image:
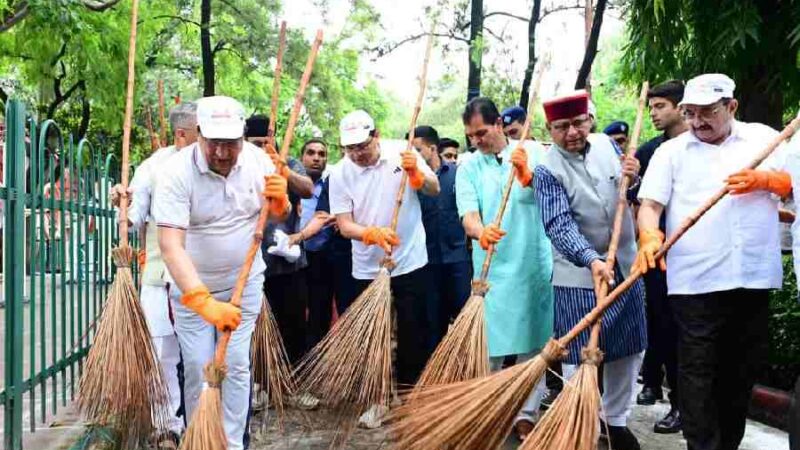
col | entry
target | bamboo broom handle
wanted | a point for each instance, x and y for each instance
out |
(276, 86)
(258, 236)
(526, 131)
(622, 201)
(162, 114)
(148, 115)
(598, 310)
(126, 130)
(298, 100)
(423, 83)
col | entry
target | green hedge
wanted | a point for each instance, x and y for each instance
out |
(784, 327)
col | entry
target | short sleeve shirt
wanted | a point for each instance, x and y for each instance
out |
(218, 213)
(369, 193)
(734, 245)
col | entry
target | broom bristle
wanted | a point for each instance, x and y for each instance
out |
(271, 367)
(206, 430)
(122, 385)
(353, 362)
(462, 355)
(572, 421)
(470, 415)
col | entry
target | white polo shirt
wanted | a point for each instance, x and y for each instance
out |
(369, 193)
(737, 243)
(218, 213)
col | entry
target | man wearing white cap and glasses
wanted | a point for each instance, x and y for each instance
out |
(722, 269)
(362, 197)
(206, 212)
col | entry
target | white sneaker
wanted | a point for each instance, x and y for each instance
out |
(373, 417)
(305, 402)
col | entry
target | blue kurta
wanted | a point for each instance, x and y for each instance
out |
(624, 326)
(519, 304)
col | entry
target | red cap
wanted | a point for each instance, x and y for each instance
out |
(567, 107)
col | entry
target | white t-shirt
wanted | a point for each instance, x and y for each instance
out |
(737, 243)
(143, 185)
(369, 193)
(218, 213)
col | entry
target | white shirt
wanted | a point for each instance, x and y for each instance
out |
(218, 213)
(737, 243)
(143, 185)
(369, 193)
(793, 167)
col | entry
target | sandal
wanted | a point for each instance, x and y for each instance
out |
(522, 428)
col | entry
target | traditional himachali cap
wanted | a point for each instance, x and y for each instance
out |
(618, 127)
(355, 127)
(707, 89)
(220, 117)
(567, 107)
(513, 114)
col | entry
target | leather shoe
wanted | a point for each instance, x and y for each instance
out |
(649, 396)
(621, 438)
(671, 423)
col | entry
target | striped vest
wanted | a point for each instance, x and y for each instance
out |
(591, 181)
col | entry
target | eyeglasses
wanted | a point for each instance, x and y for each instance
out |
(563, 127)
(359, 148)
(706, 113)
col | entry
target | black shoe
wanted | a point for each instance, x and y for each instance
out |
(649, 396)
(671, 423)
(621, 438)
(548, 400)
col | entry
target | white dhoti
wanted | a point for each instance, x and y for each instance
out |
(155, 305)
(198, 340)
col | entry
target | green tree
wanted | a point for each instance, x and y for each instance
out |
(756, 42)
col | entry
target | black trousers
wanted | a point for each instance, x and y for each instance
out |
(345, 290)
(320, 280)
(288, 297)
(662, 337)
(414, 327)
(722, 346)
(450, 291)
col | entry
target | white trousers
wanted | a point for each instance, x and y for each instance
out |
(619, 387)
(531, 405)
(198, 339)
(169, 355)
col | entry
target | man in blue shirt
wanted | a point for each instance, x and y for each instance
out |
(448, 258)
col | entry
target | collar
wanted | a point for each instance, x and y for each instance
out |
(384, 156)
(202, 164)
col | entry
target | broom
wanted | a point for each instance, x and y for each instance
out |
(353, 362)
(122, 384)
(478, 414)
(463, 352)
(206, 431)
(162, 114)
(572, 422)
(271, 368)
(148, 116)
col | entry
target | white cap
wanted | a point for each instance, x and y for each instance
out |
(355, 127)
(708, 89)
(592, 109)
(220, 117)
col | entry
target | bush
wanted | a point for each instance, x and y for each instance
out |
(784, 333)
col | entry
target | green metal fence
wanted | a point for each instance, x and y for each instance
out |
(57, 234)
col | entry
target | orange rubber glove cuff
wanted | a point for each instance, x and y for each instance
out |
(525, 177)
(519, 159)
(651, 236)
(490, 235)
(779, 183)
(196, 298)
(275, 193)
(416, 179)
(141, 258)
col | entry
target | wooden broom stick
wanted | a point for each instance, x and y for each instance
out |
(598, 310)
(423, 83)
(126, 130)
(298, 99)
(276, 86)
(162, 114)
(148, 116)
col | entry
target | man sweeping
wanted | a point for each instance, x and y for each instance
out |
(155, 278)
(722, 269)
(206, 212)
(519, 304)
(362, 197)
(577, 188)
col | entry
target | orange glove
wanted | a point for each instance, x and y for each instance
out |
(281, 168)
(224, 316)
(141, 258)
(415, 177)
(275, 192)
(650, 242)
(490, 235)
(748, 180)
(519, 159)
(382, 236)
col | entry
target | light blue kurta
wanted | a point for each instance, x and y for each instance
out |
(519, 305)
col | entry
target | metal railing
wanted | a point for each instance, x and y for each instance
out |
(57, 235)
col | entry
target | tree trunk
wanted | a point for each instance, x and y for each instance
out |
(86, 114)
(526, 82)
(205, 48)
(591, 46)
(476, 45)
